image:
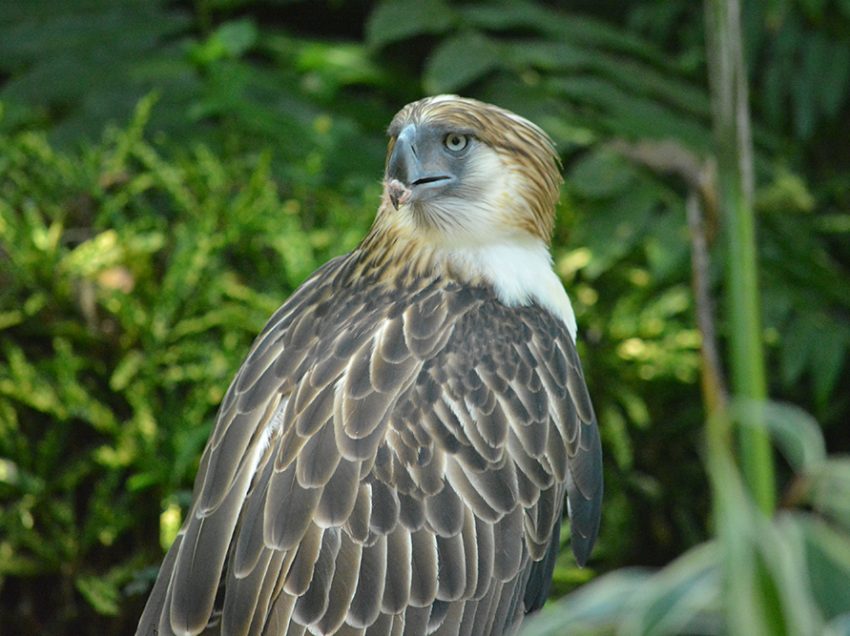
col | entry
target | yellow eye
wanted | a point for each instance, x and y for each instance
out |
(456, 142)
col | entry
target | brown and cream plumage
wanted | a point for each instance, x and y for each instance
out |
(394, 454)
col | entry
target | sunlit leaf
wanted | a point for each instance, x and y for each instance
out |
(101, 593)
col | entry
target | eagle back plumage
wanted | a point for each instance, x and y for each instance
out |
(386, 456)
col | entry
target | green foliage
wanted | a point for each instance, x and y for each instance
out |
(590, 79)
(133, 281)
(73, 66)
(136, 265)
(74, 69)
(785, 575)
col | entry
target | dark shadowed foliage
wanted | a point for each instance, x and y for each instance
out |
(170, 171)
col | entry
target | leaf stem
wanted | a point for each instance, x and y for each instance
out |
(733, 146)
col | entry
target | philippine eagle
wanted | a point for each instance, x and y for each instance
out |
(394, 454)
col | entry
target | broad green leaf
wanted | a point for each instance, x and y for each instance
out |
(828, 565)
(229, 41)
(502, 15)
(830, 489)
(596, 608)
(834, 60)
(237, 37)
(637, 77)
(680, 598)
(813, 8)
(794, 432)
(829, 358)
(797, 346)
(622, 113)
(601, 174)
(396, 20)
(460, 60)
(574, 28)
(611, 236)
(839, 626)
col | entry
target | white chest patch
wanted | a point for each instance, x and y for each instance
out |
(520, 274)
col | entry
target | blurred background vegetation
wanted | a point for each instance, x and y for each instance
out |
(171, 170)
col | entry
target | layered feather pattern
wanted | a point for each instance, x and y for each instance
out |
(391, 457)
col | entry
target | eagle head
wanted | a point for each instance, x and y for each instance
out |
(470, 191)
(462, 172)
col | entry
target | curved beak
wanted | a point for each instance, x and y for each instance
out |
(412, 167)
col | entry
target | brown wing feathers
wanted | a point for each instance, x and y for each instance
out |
(387, 466)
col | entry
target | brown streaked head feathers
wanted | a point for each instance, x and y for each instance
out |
(523, 146)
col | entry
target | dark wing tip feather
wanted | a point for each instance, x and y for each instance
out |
(540, 577)
(582, 544)
(585, 503)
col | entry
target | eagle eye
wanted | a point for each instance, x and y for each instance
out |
(456, 142)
